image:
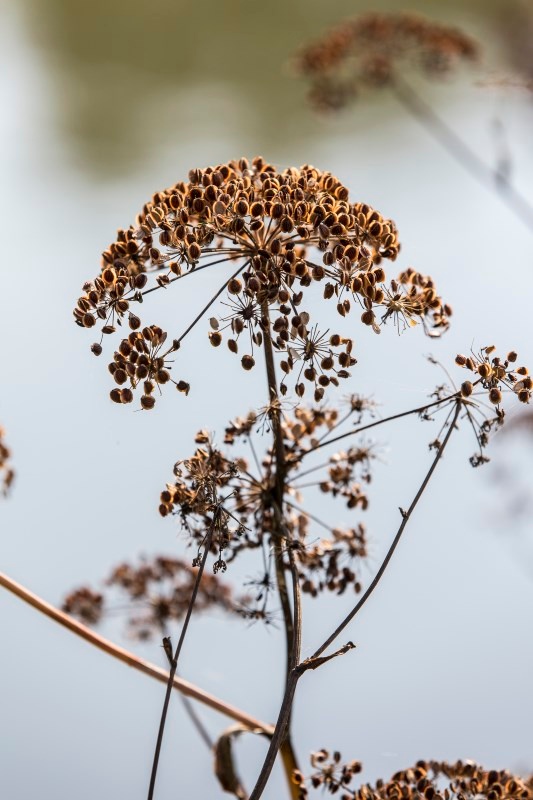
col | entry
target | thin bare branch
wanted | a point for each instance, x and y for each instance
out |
(126, 657)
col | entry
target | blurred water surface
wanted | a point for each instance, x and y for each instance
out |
(104, 104)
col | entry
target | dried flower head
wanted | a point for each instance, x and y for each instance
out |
(6, 471)
(427, 780)
(330, 562)
(372, 49)
(281, 232)
(158, 591)
(493, 378)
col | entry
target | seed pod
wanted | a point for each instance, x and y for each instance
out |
(466, 389)
(215, 337)
(115, 395)
(234, 286)
(147, 401)
(495, 396)
(183, 386)
(247, 362)
(96, 349)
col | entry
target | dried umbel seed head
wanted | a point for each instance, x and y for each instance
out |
(7, 474)
(331, 563)
(279, 233)
(372, 49)
(85, 604)
(431, 780)
(159, 592)
(494, 377)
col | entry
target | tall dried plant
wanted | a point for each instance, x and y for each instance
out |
(271, 238)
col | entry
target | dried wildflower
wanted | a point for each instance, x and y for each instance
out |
(6, 471)
(333, 562)
(431, 780)
(283, 231)
(372, 49)
(494, 377)
(85, 604)
(158, 591)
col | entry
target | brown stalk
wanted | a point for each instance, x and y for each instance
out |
(292, 616)
(311, 663)
(145, 667)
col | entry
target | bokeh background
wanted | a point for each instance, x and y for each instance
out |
(102, 104)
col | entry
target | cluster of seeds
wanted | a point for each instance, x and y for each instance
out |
(495, 375)
(84, 603)
(433, 780)
(142, 360)
(6, 471)
(160, 588)
(370, 50)
(281, 232)
(330, 563)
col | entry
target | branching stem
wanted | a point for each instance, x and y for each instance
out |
(316, 660)
(174, 662)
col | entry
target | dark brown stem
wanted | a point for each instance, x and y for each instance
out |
(406, 515)
(315, 660)
(174, 663)
(461, 152)
(292, 616)
(361, 428)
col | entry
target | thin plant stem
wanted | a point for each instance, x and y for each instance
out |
(406, 515)
(461, 152)
(311, 663)
(130, 659)
(361, 428)
(177, 652)
(196, 721)
(210, 303)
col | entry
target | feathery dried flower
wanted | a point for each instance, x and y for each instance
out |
(284, 231)
(368, 51)
(7, 473)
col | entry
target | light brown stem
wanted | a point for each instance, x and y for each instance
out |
(182, 686)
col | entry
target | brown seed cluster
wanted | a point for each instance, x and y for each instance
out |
(282, 232)
(427, 780)
(142, 360)
(495, 375)
(372, 49)
(85, 604)
(330, 563)
(7, 474)
(158, 591)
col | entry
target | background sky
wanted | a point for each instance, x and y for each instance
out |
(103, 104)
